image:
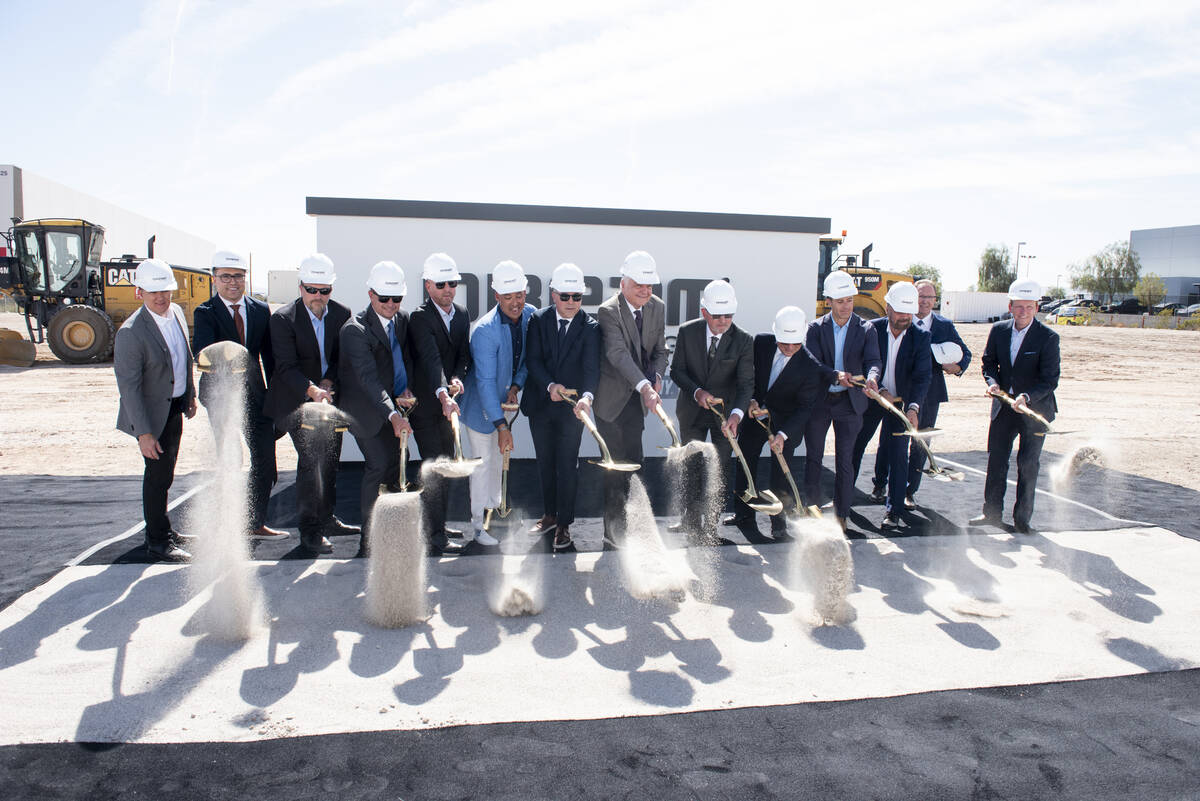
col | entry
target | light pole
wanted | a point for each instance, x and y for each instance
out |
(1017, 260)
(1028, 266)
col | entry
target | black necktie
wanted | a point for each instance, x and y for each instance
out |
(712, 348)
(562, 329)
(637, 318)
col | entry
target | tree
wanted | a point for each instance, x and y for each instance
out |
(1056, 292)
(994, 272)
(1150, 290)
(1112, 271)
(920, 269)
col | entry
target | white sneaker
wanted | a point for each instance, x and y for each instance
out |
(483, 538)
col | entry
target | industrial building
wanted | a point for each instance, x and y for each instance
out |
(1173, 254)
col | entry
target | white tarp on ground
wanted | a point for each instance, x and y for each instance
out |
(116, 653)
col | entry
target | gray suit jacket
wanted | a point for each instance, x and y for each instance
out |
(620, 365)
(729, 377)
(145, 377)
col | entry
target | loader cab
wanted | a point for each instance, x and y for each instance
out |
(58, 258)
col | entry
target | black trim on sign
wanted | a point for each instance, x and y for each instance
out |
(577, 215)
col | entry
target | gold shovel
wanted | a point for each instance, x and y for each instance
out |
(766, 501)
(504, 508)
(227, 358)
(468, 464)
(666, 421)
(763, 418)
(1012, 402)
(405, 407)
(917, 436)
(606, 460)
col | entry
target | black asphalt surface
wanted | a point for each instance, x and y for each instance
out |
(1119, 738)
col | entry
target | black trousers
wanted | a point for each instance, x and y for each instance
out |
(556, 436)
(837, 410)
(891, 458)
(624, 439)
(159, 475)
(751, 439)
(318, 451)
(434, 438)
(259, 433)
(707, 427)
(381, 455)
(1006, 426)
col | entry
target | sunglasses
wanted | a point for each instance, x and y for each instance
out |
(444, 284)
(571, 296)
(721, 316)
(312, 290)
(390, 298)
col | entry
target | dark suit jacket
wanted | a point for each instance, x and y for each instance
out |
(620, 368)
(437, 355)
(860, 354)
(145, 374)
(913, 362)
(575, 364)
(1035, 372)
(213, 323)
(942, 330)
(730, 377)
(801, 383)
(365, 370)
(297, 357)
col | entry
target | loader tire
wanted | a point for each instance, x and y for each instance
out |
(79, 334)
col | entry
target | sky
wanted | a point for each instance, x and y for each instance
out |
(930, 129)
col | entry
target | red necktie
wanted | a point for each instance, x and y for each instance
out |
(238, 324)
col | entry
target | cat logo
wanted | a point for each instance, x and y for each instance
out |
(119, 276)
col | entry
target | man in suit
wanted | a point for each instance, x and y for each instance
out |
(713, 359)
(1021, 357)
(563, 352)
(787, 381)
(633, 358)
(841, 340)
(906, 371)
(153, 367)
(498, 373)
(439, 343)
(941, 332)
(374, 373)
(305, 335)
(233, 316)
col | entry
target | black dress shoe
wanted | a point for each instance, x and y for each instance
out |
(166, 551)
(1024, 528)
(891, 521)
(909, 503)
(878, 494)
(562, 538)
(738, 520)
(314, 546)
(337, 528)
(452, 532)
(440, 545)
(984, 520)
(180, 539)
(544, 526)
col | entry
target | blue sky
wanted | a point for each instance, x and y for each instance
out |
(930, 129)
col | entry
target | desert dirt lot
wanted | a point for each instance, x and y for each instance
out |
(1131, 389)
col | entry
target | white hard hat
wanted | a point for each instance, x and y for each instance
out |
(387, 279)
(947, 352)
(790, 325)
(1025, 289)
(639, 266)
(902, 297)
(718, 298)
(229, 260)
(508, 277)
(838, 285)
(317, 269)
(440, 267)
(567, 278)
(154, 275)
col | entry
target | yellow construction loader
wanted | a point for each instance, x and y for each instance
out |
(70, 298)
(872, 283)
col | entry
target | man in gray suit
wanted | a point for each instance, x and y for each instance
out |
(714, 359)
(153, 366)
(634, 348)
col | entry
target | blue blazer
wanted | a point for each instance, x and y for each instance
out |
(942, 330)
(212, 323)
(914, 362)
(574, 363)
(1035, 372)
(491, 371)
(860, 354)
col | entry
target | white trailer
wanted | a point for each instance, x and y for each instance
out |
(283, 286)
(770, 260)
(974, 307)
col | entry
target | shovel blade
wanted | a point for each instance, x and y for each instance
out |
(765, 502)
(623, 467)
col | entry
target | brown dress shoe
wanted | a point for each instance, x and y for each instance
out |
(265, 532)
(562, 538)
(546, 524)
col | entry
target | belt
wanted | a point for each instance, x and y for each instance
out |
(833, 397)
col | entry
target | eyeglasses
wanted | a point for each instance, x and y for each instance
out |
(231, 278)
(390, 298)
(312, 290)
(571, 296)
(927, 297)
(721, 316)
(444, 284)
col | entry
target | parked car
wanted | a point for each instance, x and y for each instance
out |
(1071, 310)
(1051, 305)
(1127, 306)
(1190, 311)
(1171, 308)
